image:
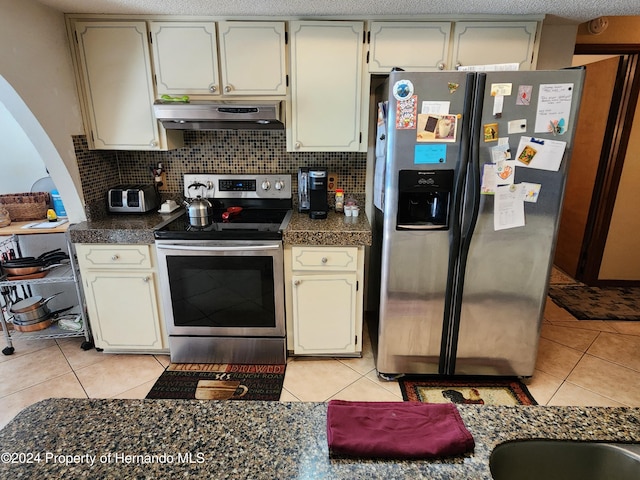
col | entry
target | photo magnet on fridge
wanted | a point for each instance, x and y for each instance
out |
(436, 128)
(491, 132)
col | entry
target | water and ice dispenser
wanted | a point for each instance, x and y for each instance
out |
(423, 199)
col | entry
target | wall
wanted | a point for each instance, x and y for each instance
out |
(40, 91)
(557, 42)
(212, 152)
(20, 164)
(620, 30)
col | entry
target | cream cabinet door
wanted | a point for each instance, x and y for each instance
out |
(252, 58)
(123, 310)
(115, 68)
(414, 46)
(324, 314)
(326, 86)
(185, 57)
(481, 43)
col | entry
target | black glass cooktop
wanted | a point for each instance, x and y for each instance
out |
(266, 224)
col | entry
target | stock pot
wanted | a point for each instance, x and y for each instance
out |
(32, 309)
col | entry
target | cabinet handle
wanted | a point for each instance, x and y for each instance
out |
(153, 143)
(228, 88)
(441, 66)
(213, 88)
(324, 260)
(145, 279)
(297, 145)
(297, 282)
(114, 257)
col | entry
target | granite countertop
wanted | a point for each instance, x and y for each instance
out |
(133, 229)
(336, 229)
(258, 440)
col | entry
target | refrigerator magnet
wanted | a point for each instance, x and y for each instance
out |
(530, 191)
(500, 153)
(430, 153)
(402, 90)
(491, 132)
(406, 113)
(524, 95)
(505, 170)
(517, 126)
(437, 128)
(500, 89)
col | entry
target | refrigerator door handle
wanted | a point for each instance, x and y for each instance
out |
(473, 184)
(449, 326)
(472, 198)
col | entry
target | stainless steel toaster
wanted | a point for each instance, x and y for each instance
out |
(133, 198)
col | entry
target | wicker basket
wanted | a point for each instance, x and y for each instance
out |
(26, 206)
(5, 218)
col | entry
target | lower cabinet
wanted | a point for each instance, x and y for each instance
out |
(121, 294)
(324, 290)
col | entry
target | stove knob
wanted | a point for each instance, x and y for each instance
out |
(279, 185)
(266, 185)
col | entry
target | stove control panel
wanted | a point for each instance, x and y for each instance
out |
(263, 186)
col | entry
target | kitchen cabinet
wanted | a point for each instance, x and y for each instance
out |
(251, 57)
(479, 43)
(122, 299)
(324, 285)
(413, 46)
(117, 85)
(327, 103)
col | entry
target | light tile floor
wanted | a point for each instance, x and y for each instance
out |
(593, 363)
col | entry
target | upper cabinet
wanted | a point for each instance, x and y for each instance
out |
(479, 43)
(323, 71)
(244, 58)
(116, 78)
(252, 58)
(185, 57)
(326, 86)
(430, 46)
(413, 46)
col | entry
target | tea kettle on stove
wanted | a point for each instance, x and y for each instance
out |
(199, 210)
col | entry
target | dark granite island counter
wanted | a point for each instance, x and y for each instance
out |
(74, 438)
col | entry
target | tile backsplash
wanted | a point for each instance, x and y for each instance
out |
(212, 152)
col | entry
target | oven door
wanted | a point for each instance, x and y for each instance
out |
(222, 288)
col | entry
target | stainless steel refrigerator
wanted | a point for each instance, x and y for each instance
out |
(469, 182)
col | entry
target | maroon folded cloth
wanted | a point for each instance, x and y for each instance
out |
(396, 430)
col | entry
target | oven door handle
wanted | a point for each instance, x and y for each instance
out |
(218, 249)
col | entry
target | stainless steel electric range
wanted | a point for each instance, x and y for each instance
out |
(222, 282)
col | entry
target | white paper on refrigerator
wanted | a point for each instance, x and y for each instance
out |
(554, 107)
(538, 153)
(508, 207)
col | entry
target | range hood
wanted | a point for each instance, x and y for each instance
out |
(219, 115)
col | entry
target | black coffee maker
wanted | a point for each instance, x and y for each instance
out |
(318, 205)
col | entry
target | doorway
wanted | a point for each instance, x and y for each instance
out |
(593, 242)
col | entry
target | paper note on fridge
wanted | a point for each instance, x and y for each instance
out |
(554, 107)
(508, 207)
(543, 154)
